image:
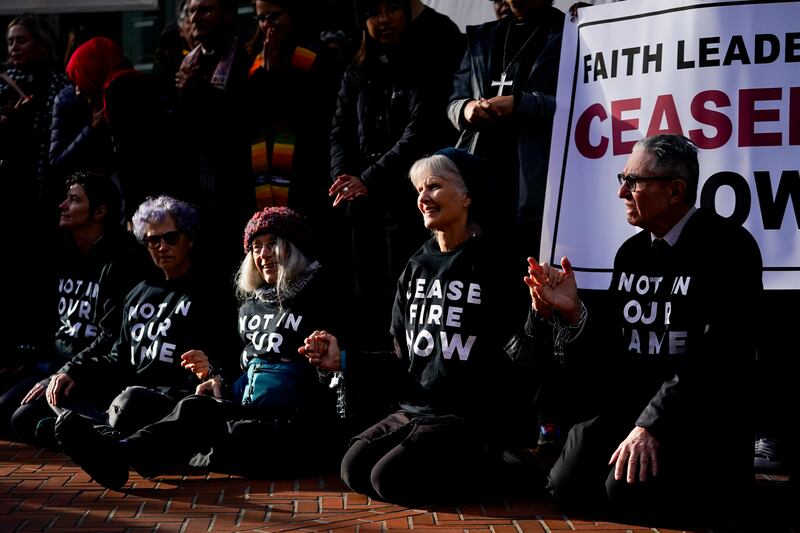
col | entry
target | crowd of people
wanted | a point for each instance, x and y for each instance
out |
(380, 291)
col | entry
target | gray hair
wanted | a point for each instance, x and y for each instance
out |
(437, 165)
(156, 210)
(675, 155)
(291, 263)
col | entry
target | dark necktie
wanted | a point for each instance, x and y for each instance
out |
(660, 248)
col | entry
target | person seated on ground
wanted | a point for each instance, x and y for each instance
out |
(94, 266)
(672, 349)
(457, 322)
(172, 323)
(284, 409)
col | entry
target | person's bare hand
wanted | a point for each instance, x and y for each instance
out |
(322, 350)
(37, 391)
(60, 386)
(477, 112)
(503, 106)
(638, 453)
(185, 75)
(196, 362)
(271, 50)
(551, 288)
(210, 387)
(347, 187)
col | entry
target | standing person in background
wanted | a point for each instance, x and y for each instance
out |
(383, 123)
(503, 103)
(29, 83)
(438, 46)
(292, 91)
(501, 9)
(83, 142)
(123, 133)
(213, 145)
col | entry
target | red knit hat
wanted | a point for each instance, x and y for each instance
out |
(93, 62)
(279, 221)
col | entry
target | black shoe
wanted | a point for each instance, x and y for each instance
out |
(45, 433)
(769, 456)
(98, 452)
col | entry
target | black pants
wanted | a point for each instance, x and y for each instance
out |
(421, 460)
(130, 410)
(10, 403)
(697, 471)
(206, 433)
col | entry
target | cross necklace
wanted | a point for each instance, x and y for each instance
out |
(503, 83)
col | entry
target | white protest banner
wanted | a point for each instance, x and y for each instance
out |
(724, 74)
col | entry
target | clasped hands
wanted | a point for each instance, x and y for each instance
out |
(486, 110)
(322, 350)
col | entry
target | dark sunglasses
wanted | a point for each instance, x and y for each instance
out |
(171, 238)
(272, 17)
(632, 182)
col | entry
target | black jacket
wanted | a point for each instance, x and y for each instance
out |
(380, 127)
(534, 106)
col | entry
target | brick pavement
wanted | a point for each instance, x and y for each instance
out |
(43, 491)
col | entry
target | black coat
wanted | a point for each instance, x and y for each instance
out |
(379, 129)
(534, 105)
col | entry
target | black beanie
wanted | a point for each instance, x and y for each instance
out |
(472, 168)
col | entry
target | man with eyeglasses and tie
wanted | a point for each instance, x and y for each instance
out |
(669, 346)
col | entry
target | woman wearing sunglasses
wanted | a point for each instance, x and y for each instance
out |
(173, 329)
(283, 410)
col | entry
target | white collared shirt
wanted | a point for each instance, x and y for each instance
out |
(675, 231)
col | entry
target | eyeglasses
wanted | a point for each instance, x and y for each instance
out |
(259, 246)
(170, 238)
(203, 11)
(272, 17)
(632, 182)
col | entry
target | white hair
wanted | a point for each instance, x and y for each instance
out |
(440, 166)
(291, 263)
